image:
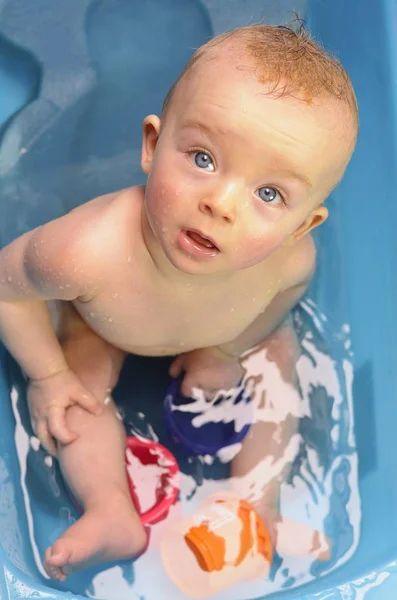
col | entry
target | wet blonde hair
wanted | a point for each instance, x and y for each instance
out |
(288, 59)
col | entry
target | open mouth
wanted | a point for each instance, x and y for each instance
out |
(196, 245)
(199, 239)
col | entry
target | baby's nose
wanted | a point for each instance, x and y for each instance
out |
(221, 204)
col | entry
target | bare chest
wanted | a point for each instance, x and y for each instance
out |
(154, 320)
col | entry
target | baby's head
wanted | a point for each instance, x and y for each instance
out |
(254, 135)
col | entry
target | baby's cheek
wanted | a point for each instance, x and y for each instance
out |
(259, 248)
(163, 192)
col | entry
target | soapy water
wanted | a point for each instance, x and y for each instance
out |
(319, 489)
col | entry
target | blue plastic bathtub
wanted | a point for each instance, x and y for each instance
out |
(76, 78)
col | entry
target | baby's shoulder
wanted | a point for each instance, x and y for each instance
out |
(99, 222)
(88, 239)
(299, 263)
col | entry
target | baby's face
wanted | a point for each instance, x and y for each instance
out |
(235, 173)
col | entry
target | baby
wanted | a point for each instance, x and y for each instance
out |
(203, 263)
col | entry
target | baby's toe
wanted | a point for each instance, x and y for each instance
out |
(52, 570)
(56, 558)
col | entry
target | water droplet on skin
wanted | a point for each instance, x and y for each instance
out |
(114, 296)
(129, 258)
(92, 314)
(181, 343)
(9, 279)
(110, 320)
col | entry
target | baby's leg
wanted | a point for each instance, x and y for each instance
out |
(262, 462)
(94, 463)
(271, 446)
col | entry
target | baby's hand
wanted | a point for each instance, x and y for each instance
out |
(209, 369)
(48, 400)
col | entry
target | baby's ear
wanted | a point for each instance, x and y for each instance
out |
(150, 135)
(316, 217)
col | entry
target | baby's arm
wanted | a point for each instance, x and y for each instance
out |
(218, 367)
(267, 322)
(34, 268)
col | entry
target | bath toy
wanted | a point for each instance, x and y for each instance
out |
(206, 426)
(153, 479)
(222, 543)
(153, 502)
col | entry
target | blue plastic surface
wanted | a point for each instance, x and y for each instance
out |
(80, 65)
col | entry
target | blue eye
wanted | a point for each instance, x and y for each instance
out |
(204, 161)
(269, 195)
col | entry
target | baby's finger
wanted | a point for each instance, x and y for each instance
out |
(46, 440)
(189, 386)
(88, 401)
(176, 366)
(58, 428)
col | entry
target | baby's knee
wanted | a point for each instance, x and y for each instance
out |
(78, 419)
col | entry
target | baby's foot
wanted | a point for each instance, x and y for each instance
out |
(107, 532)
(297, 539)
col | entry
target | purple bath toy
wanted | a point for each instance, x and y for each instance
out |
(206, 426)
